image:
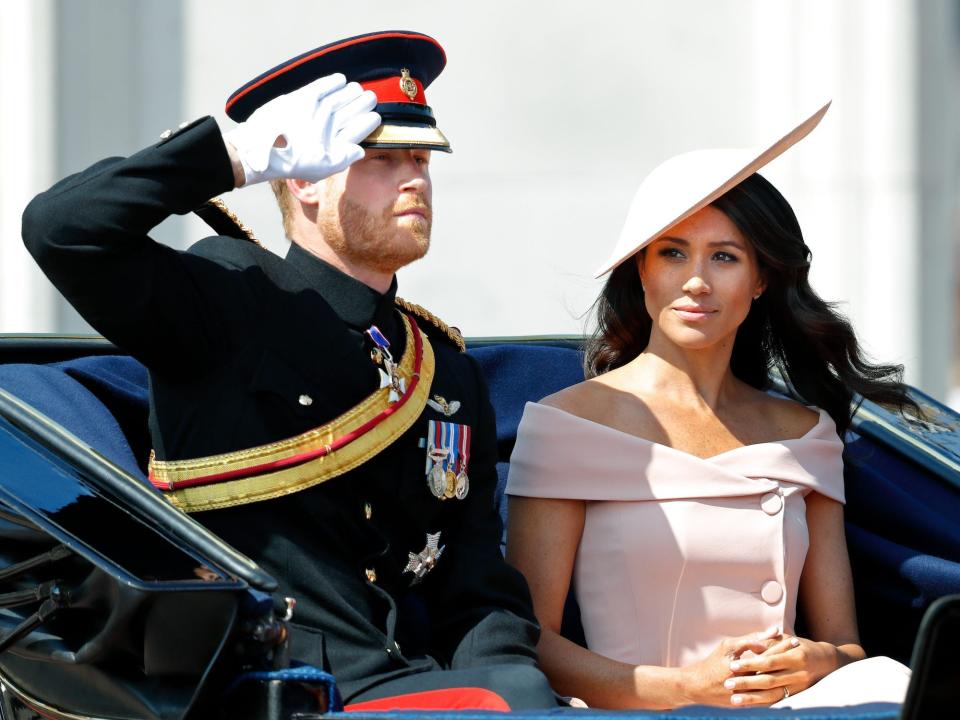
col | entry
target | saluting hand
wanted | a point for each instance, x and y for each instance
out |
(309, 134)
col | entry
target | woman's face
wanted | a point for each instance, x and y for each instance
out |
(700, 278)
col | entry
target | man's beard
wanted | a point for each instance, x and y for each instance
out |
(379, 241)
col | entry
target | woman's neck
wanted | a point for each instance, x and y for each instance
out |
(692, 377)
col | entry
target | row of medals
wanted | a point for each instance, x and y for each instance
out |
(446, 484)
(443, 482)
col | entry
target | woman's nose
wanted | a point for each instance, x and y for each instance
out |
(696, 285)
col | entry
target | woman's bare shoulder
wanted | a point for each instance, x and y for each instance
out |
(788, 418)
(578, 399)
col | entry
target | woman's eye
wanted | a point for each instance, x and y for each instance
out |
(671, 253)
(725, 257)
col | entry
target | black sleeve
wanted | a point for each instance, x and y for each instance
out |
(89, 234)
(482, 611)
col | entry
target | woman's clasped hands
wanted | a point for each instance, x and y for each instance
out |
(789, 665)
(757, 669)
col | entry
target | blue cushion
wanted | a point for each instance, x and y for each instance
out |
(79, 395)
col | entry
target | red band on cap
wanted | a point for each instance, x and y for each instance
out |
(388, 90)
(325, 51)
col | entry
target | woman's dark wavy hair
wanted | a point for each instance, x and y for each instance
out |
(788, 327)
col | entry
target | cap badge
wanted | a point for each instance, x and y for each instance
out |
(423, 562)
(407, 84)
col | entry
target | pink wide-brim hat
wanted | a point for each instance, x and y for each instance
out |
(686, 183)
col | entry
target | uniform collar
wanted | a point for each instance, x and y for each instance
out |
(357, 304)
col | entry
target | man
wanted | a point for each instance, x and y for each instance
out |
(333, 433)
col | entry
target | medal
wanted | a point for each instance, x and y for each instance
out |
(463, 485)
(437, 481)
(450, 488)
(448, 452)
(389, 375)
(424, 561)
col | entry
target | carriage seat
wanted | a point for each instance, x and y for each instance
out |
(902, 533)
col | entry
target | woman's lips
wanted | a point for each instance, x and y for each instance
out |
(692, 313)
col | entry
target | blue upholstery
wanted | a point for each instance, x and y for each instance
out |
(516, 375)
(80, 394)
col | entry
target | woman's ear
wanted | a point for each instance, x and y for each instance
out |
(639, 260)
(761, 287)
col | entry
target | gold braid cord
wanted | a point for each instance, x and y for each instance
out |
(236, 221)
(421, 312)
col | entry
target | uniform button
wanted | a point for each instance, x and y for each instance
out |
(371, 575)
(305, 400)
(771, 592)
(393, 648)
(771, 503)
(367, 510)
(165, 134)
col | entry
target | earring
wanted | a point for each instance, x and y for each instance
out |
(757, 296)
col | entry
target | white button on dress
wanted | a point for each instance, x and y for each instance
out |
(771, 592)
(771, 503)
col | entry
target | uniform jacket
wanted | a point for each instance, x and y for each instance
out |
(233, 337)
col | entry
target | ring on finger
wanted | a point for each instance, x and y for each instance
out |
(786, 692)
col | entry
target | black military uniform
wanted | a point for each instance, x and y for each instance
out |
(246, 348)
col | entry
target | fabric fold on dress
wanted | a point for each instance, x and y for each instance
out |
(561, 455)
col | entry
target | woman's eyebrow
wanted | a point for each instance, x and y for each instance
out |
(715, 243)
(726, 243)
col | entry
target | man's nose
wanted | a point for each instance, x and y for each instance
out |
(415, 179)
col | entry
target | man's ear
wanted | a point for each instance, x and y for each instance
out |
(306, 192)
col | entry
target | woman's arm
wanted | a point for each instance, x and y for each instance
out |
(542, 540)
(826, 595)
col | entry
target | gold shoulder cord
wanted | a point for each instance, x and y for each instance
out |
(224, 221)
(421, 312)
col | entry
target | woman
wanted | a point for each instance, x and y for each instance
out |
(679, 497)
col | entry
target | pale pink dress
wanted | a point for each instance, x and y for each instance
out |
(678, 552)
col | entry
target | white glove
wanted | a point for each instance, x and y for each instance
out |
(318, 126)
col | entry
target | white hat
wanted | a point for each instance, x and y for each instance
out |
(684, 184)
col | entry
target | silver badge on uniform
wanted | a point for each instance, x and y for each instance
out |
(448, 455)
(440, 404)
(423, 562)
